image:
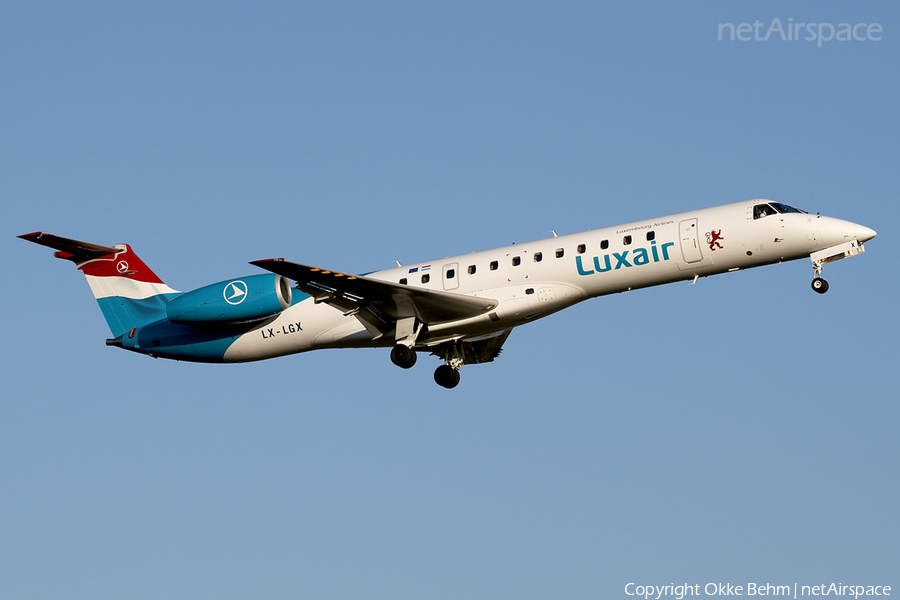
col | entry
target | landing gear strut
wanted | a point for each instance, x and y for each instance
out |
(819, 285)
(403, 356)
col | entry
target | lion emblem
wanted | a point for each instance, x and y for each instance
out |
(712, 238)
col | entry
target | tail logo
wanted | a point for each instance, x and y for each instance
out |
(122, 267)
(235, 292)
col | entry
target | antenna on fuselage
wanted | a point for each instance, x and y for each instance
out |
(553, 231)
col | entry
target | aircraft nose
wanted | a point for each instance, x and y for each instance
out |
(864, 234)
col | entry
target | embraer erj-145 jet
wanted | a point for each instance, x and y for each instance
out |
(461, 308)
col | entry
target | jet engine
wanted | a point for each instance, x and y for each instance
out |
(234, 301)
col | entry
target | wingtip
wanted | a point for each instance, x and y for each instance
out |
(265, 262)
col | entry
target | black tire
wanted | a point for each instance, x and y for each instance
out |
(403, 356)
(819, 285)
(446, 377)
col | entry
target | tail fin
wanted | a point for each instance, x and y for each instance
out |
(129, 293)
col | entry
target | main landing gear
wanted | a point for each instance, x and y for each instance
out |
(446, 375)
(407, 330)
(403, 356)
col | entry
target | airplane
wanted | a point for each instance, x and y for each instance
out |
(462, 308)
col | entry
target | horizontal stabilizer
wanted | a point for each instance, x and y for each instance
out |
(74, 250)
(353, 292)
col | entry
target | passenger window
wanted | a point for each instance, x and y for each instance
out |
(560, 252)
(403, 281)
(529, 291)
(516, 261)
(627, 240)
(494, 265)
(471, 269)
(538, 257)
(604, 244)
(426, 278)
(581, 248)
(451, 273)
(651, 235)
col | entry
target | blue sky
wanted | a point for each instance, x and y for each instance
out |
(740, 430)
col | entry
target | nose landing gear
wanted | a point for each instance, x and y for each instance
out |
(819, 285)
(851, 248)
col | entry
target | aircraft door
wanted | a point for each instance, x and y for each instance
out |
(690, 242)
(451, 276)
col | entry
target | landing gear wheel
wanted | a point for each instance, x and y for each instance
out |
(446, 376)
(819, 285)
(403, 356)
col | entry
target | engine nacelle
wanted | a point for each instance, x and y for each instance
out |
(233, 301)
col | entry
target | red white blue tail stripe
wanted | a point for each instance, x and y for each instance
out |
(129, 293)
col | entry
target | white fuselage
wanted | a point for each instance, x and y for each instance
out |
(534, 279)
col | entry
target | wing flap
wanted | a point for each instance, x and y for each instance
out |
(486, 349)
(354, 292)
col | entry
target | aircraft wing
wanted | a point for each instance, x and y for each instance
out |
(367, 298)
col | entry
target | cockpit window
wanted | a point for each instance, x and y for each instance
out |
(774, 208)
(763, 210)
(784, 208)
